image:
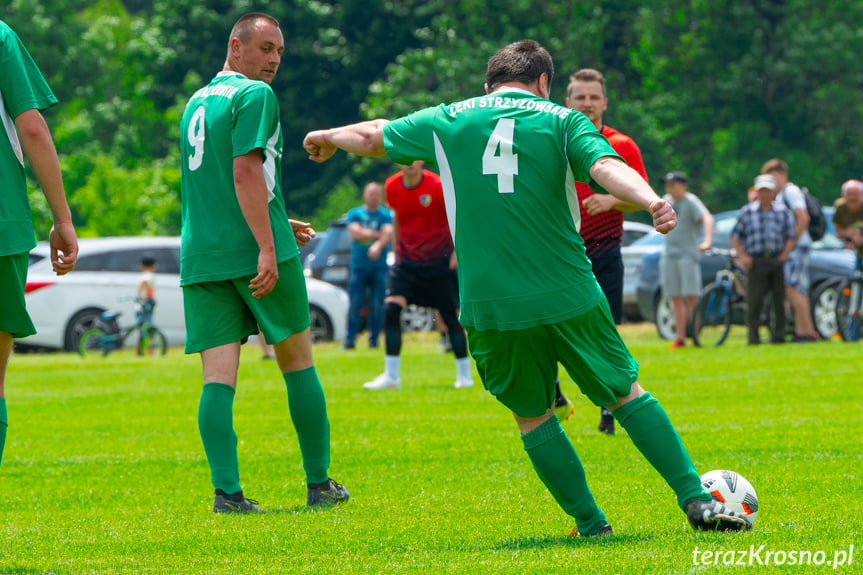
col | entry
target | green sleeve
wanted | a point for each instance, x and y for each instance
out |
(584, 146)
(21, 83)
(254, 120)
(411, 137)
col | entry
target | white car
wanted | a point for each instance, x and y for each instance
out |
(106, 278)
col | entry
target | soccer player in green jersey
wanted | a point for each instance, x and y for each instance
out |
(239, 260)
(507, 162)
(23, 95)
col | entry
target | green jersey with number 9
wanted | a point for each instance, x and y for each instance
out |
(229, 117)
(508, 162)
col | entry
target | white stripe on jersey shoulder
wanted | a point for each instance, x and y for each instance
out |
(447, 184)
(569, 187)
(11, 133)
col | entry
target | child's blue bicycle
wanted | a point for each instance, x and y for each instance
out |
(107, 335)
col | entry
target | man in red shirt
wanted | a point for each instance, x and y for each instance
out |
(423, 272)
(601, 214)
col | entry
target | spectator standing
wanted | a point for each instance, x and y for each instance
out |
(680, 268)
(601, 224)
(848, 217)
(797, 265)
(763, 238)
(24, 93)
(371, 228)
(422, 273)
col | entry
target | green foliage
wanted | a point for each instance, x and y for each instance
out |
(711, 88)
(105, 471)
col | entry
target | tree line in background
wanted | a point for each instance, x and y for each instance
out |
(710, 88)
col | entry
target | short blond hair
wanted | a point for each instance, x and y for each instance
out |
(586, 75)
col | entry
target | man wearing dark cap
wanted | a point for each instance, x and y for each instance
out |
(763, 238)
(679, 266)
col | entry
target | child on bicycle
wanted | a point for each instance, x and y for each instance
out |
(147, 287)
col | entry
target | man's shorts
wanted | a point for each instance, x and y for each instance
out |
(223, 312)
(681, 275)
(428, 285)
(14, 318)
(797, 270)
(519, 367)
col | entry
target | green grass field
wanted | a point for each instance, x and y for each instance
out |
(104, 470)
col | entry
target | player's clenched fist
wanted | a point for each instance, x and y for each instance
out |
(664, 218)
(318, 146)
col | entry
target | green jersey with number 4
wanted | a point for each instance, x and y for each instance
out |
(508, 162)
(229, 117)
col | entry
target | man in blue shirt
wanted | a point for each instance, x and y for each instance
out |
(763, 238)
(371, 228)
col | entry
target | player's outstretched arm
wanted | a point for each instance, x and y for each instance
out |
(39, 148)
(626, 184)
(362, 139)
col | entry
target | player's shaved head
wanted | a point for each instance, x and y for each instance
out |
(245, 26)
(523, 61)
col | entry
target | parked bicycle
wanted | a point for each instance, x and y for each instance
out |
(107, 335)
(849, 305)
(722, 303)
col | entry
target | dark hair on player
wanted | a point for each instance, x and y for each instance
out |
(522, 61)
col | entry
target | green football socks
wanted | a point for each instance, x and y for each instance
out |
(559, 468)
(651, 431)
(216, 424)
(309, 414)
(4, 423)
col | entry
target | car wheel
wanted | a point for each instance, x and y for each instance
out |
(81, 322)
(824, 307)
(321, 325)
(665, 318)
(415, 318)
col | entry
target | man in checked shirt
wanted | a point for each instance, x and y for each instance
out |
(763, 237)
(601, 214)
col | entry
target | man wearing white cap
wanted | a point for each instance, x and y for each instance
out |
(763, 238)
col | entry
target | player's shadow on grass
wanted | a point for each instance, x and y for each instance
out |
(565, 541)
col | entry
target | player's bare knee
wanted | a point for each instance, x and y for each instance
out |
(528, 424)
(634, 391)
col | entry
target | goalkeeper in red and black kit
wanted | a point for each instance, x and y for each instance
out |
(601, 214)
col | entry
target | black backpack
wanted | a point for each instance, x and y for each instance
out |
(817, 219)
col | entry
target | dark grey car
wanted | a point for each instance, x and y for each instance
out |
(829, 259)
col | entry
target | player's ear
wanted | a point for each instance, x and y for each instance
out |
(485, 87)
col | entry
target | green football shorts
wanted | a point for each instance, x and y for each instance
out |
(222, 312)
(519, 367)
(14, 318)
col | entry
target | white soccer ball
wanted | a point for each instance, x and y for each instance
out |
(733, 491)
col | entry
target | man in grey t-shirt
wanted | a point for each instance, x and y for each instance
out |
(797, 265)
(681, 271)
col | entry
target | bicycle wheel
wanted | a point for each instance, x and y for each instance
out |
(711, 319)
(91, 342)
(154, 344)
(848, 303)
